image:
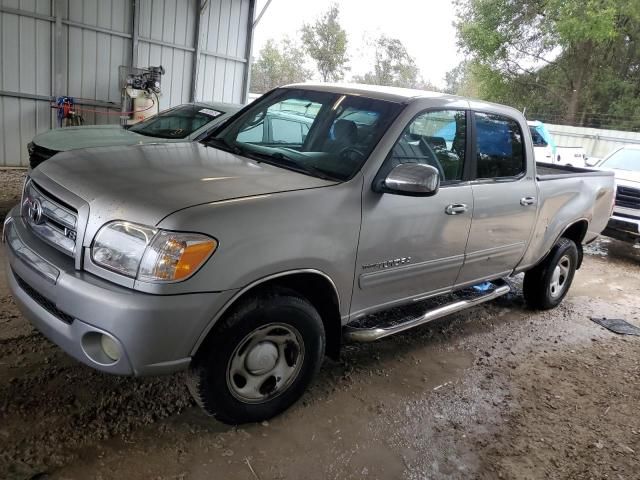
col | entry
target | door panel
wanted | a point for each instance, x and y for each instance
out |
(504, 200)
(500, 229)
(409, 246)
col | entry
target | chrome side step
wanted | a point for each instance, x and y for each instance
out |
(356, 334)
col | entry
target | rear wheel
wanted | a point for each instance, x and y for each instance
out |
(260, 359)
(546, 285)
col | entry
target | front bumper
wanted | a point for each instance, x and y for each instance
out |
(154, 334)
(623, 228)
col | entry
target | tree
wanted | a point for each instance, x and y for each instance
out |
(393, 66)
(278, 64)
(575, 58)
(326, 43)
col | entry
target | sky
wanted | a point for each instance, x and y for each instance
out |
(424, 26)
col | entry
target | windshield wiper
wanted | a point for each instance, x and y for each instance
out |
(283, 159)
(225, 145)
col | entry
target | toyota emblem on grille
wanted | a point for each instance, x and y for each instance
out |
(34, 210)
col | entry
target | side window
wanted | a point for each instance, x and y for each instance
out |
(538, 141)
(286, 131)
(289, 122)
(436, 138)
(500, 146)
(254, 134)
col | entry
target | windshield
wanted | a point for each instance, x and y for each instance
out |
(318, 133)
(177, 122)
(624, 159)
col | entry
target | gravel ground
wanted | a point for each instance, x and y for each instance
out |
(495, 392)
(11, 181)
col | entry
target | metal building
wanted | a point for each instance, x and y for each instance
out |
(51, 48)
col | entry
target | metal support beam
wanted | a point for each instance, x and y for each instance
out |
(166, 44)
(84, 26)
(135, 28)
(195, 64)
(60, 51)
(24, 13)
(259, 17)
(52, 98)
(248, 51)
(52, 60)
(209, 53)
(93, 28)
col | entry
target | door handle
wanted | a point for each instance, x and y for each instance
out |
(526, 201)
(456, 209)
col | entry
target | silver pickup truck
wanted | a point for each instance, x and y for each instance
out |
(248, 256)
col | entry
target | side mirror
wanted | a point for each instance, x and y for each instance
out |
(413, 179)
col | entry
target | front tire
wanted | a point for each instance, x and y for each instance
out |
(546, 285)
(260, 359)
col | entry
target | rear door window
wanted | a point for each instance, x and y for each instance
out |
(499, 146)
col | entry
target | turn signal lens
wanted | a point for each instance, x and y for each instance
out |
(174, 256)
(192, 257)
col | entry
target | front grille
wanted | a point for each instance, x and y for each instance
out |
(51, 219)
(44, 302)
(628, 197)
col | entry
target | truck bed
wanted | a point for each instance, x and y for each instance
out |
(549, 171)
(568, 196)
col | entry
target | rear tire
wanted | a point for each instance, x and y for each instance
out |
(546, 285)
(259, 359)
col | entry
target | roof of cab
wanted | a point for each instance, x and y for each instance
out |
(393, 94)
(402, 95)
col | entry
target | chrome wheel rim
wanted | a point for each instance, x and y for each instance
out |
(265, 363)
(559, 278)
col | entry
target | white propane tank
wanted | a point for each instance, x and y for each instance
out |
(144, 105)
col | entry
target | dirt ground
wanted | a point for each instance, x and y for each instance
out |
(495, 392)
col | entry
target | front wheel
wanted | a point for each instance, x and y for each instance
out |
(546, 285)
(260, 359)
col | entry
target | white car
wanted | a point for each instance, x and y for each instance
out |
(625, 221)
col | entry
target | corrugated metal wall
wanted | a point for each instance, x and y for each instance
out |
(26, 70)
(596, 142)
(223, 50)
(166, 37)
(51, 48)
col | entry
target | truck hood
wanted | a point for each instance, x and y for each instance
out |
(145, 183)
(72, 138)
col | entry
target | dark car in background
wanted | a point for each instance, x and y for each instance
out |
(184, 123)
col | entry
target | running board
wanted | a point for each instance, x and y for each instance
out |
(360, 334)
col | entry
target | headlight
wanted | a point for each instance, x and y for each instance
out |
(149, 254)
(120, 245)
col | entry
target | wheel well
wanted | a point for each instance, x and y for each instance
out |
(577, 232)
(318, 290)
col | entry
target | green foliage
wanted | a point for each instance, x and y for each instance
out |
(278, 64)
(326, 43)
(393, 65)
(577, 61)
